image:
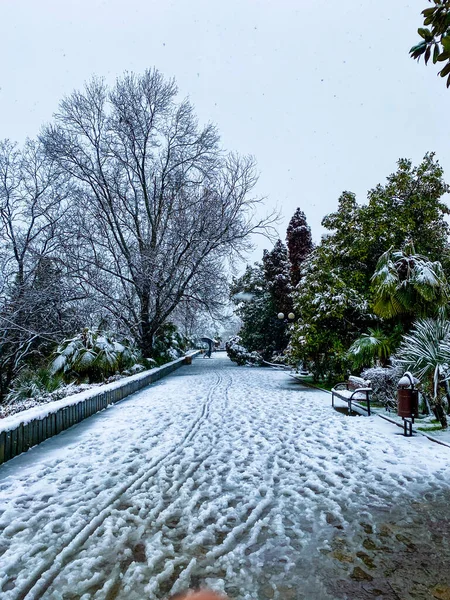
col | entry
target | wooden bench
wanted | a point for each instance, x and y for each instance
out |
(355, 389)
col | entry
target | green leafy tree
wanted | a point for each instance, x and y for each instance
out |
(277, 275)
(254, 307)
(408, 208)
(260, 294)
(435, 37)
(330, 315)
(345, 248)
(334, 299)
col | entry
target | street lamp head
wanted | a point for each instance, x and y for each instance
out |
(291, 316)
(280, 316)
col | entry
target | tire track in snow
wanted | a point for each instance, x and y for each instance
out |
(251, 518)
(44, 575)
(255, 514)
(168, 509)
(45, 517)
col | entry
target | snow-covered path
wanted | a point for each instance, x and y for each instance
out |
(233, 477)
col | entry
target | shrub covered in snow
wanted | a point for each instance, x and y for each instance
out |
(279, 359)
(169, 344)
(384, 384)
(92, 355)
(240, 355)
(31, 384)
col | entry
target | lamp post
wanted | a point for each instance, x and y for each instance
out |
(283, 330)
(290, 316)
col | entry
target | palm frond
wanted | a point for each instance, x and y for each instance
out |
(408, 283)
(369, 346)
(425, 351)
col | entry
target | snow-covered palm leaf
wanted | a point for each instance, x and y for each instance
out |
(405, 282)
(106, 359)
(429, 281)
(93, 355)
(386, 283)
(426, 274)
(71, 348)
(425, 351)
(119, 348)
(85, 359)
(386, 275)
(58, 364)
(375, 344)
(102, 342)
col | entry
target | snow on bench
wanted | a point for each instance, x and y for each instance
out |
(356, 389)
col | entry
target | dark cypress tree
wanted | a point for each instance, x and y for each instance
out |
(299, 243)
(268, 287)
(277, 274)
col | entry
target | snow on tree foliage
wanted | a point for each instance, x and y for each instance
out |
(406, 283)
(334, 301)
(330, 313)
(299, 243)
(384, 384)
(39, 303)
(254, 306)
(160, 205)
(240, 355)
(277, 274)
(260, 294)
(93, 355)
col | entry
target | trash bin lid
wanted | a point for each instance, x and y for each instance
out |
(405, 381)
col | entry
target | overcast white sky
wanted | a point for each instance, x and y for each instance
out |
(323, 93)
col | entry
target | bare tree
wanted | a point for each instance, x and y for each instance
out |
(160, 206)
(33, 292)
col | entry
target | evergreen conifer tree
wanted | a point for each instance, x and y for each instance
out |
(299, 243)
(268, 288)
(277, 275)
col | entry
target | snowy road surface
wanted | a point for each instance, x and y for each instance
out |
(232, 477)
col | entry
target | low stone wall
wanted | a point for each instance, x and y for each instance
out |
(24, 430)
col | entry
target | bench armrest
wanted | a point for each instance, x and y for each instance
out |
(340, 386)
(359, 390)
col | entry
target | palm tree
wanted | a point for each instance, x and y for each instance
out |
(409, 285)
(425, 351)
(373, 346)
(93, 355)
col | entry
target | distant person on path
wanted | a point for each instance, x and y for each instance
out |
(210, 343)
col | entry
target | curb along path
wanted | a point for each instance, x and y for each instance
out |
(28, 428)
